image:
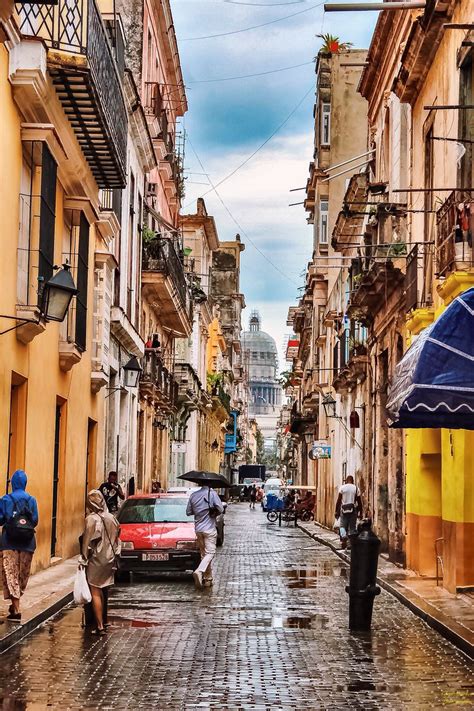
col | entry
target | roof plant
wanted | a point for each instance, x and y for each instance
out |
(332, 44)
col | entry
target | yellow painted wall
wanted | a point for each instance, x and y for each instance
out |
(38, 362)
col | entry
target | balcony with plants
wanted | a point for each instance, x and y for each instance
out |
(164, 281)
(85, 74)
(380, 270)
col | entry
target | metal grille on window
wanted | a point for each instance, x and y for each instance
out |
(47, 216)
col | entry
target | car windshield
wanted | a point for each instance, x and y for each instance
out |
(172, 510)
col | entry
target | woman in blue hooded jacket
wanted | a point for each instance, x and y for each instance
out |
(16, 555)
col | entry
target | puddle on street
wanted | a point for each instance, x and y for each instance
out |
(307, 577)
(117, 621)
(280, 622)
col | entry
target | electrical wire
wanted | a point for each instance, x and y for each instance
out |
(253, 27)
(238, 225)
(248, 76)
(264, 4)
(252, 155)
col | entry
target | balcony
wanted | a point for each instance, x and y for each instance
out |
(157, 118)
(189, 386)
(165, 287)
(157, 383)
(373, 281)
(350, 358)
(454, 237)
(85, 75)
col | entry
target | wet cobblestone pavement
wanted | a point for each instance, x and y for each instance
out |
(271, 634)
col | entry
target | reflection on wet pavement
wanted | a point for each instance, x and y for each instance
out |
(271, 634)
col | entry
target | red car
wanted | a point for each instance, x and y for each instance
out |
(157, 535)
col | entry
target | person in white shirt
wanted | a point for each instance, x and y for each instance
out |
(205, 505)
(348, 507)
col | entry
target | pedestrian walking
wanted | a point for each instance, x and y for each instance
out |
(260, 495)
(253, 496)
(348, 507)
(205, 505)
(19, 518)
(112, 492)
(100, 548)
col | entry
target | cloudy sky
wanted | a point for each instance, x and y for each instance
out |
(229, 120)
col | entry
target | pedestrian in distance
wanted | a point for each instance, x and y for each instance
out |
(260, 495)
(253, 496)
(348, 507)
(205, 505)
(19, 518)
(100, 549)
(112, 492)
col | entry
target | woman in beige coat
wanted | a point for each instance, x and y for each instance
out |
(100, 549)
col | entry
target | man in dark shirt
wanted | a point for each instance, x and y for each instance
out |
(112, 491)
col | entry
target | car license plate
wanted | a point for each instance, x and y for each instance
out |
(155, 556)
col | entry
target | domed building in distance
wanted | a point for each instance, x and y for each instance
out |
(260, 352)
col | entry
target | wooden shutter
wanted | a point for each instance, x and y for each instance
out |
(47, 215)
(82, 279)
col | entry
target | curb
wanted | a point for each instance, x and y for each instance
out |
(447, 632)
(36, 616)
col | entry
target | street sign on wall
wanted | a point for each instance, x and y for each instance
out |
(178, 447)
(320, 450)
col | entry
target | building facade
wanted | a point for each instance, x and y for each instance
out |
(401, 240)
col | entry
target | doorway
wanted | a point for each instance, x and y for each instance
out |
(57, 465)
(90, 455)
(17, 426)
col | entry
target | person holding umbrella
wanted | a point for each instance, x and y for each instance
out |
(205, 505)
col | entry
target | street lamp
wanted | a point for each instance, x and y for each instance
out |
(131, 373)
(329, 405)
(57, 294)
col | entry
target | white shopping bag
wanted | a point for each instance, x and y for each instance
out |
(82, 593)
(336, 525)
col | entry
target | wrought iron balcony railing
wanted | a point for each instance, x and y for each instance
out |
(454, 235)
(156, 379)
(159, 255)
(84, 71)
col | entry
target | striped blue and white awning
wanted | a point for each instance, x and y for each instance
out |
(433, 384)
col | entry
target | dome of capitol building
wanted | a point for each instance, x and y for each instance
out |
(260, 352)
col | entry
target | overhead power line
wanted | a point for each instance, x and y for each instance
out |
(267, 140)
(248, 76)
(237, 223)
(253, 27)
(264, 4)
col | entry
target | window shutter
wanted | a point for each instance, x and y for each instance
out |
(82, 279)
(47, 215)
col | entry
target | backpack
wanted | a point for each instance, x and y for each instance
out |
(19, 528)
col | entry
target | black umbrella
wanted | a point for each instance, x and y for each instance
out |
(206, 479)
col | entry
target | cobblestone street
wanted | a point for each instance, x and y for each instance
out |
(271, 634)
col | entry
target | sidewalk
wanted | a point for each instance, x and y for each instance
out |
(47, 592)
(450, 615)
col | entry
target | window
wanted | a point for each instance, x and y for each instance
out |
(466, 121)
(325, 124)
(82, 279)
(37, 221)
(323, 222)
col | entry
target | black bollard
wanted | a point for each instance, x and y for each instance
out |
(362, 586)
